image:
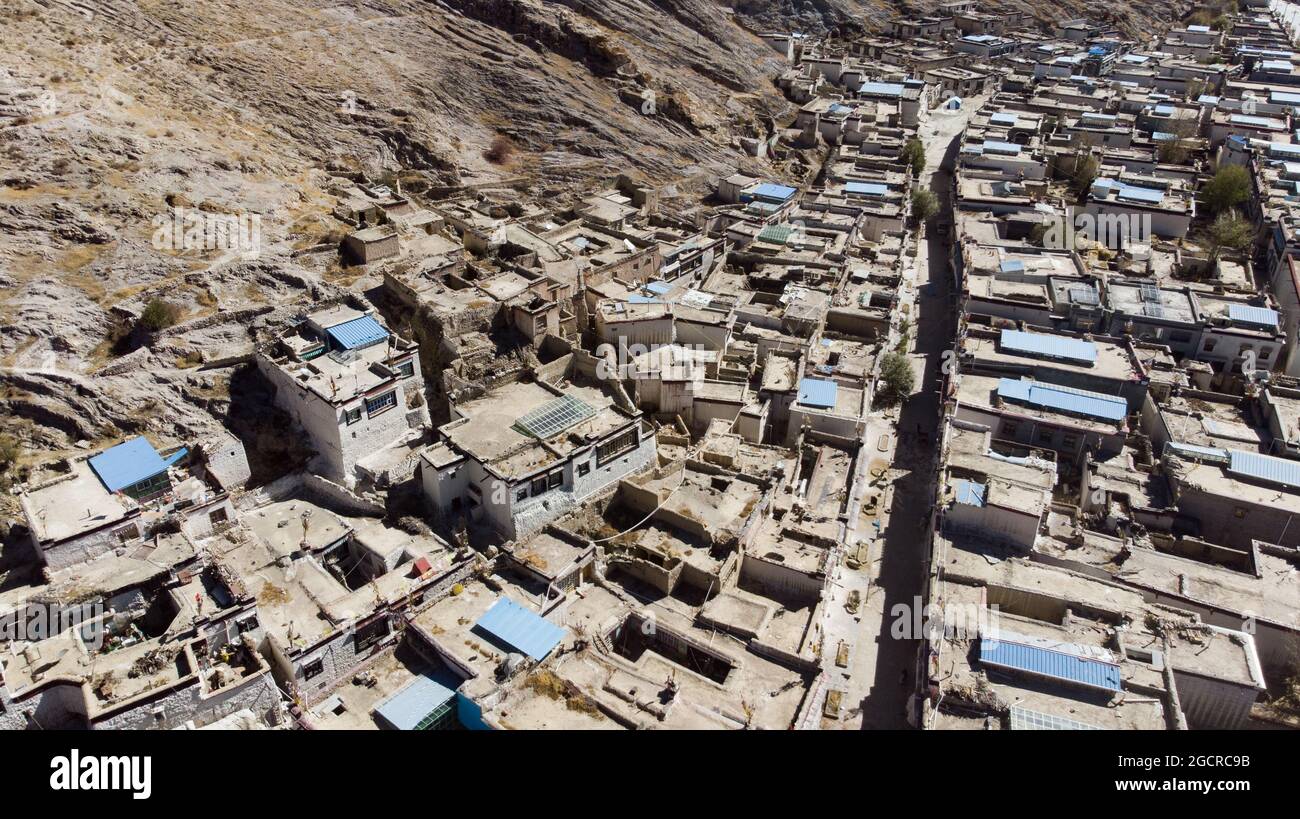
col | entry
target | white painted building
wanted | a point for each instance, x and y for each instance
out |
(527, 453)
(353, 386)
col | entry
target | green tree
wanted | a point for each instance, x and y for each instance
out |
(1230, 231)
(1175, 151)
(914, 155)
(158, 315)
(924, 205)
(1086, 167)
(1227, 189)
(896, 378)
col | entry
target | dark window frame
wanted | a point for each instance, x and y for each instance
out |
(381, 403)
(617, 446)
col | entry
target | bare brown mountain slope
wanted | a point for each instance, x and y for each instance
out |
(115, 112)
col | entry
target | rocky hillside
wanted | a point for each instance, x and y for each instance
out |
(116, 113)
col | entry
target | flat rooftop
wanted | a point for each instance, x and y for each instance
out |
(1110, 360)
(486, 427)
(73, 505)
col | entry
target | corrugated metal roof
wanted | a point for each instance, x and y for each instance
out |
(1003, 119)
(1063, 399)
(357, 333)
(658, 287)
(1062, 347)
(1248, 314)
(1056, 665)
(520, 629)
(1266, 468)
(771, 190)
(1246, 119)
(416, 700)
(814, 392)
(1133, 193)
(993, 146)
(887, 89)
(970, 493)
(867, 188)
(127, 464)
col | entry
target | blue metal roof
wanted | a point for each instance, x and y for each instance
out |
(357, 333)
(1070, 349)
(1258, 316)
(127, 464)
(970, 493)
(884, 89)
(1056, 665)
(1266, 468)
(1133, 193)
(637, 298)
(1284, 96)
(993, 146)
(1198, 452)
(866, 188)
(1003, 119)
(1012, 266)
(1245, 119)
(416, 700)
(520, 629)
(771, 190)
(814, 392)
(658, 287)
(1063, 399)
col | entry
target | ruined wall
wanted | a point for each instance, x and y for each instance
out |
(257, 694)
(87, 547)
(782, 581)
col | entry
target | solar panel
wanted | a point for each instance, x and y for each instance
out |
(1149, 292)
(1084, 295)
(555, 417)
(779, 234)
(1023, 719)
(1153, 310)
